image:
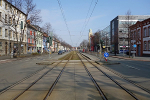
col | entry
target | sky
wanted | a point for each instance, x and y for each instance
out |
(79, 16)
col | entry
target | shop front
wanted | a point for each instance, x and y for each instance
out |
(31, 48)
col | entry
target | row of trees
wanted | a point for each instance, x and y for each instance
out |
(32, 14)
(99, 37)
(102, 37)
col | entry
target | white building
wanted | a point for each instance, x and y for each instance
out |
(9, 15)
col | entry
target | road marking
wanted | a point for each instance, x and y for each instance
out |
(132, 67)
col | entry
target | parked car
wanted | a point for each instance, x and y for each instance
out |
(60, 52)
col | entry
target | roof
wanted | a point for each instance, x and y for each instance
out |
(15, 7)
(30, 26)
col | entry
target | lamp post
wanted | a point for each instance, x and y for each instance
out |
(100, 47)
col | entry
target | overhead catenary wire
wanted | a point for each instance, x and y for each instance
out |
(86, 17)
(88, 21)
(59, 3)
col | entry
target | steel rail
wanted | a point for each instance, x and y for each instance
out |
(130, 81)
(94, 81)
(114, 81)
(55, 82)
(18, 82)
(36, 80)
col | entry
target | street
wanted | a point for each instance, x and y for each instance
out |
(137, 71)
(24, 78)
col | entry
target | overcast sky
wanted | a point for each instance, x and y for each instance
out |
(78, 19)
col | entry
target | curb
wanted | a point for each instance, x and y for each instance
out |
(130, 58)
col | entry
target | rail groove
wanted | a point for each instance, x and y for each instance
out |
(95, 83)
(113, 80)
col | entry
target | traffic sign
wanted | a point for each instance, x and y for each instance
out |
(106, 54)
(134, 45)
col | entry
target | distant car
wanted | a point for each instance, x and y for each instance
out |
(60, 52)
(63, 51)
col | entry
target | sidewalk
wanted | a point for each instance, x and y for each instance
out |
(122, 57)
(22, 56)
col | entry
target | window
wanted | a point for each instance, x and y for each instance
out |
(10, 20)
(149, 31)
(145, 46)
(5, 18)
(30, 40)
(14, 35)
(30, 32)
(148, 45)
(135, 35)
(6, 33)
(20, 15)
(14, 21)
(0, 16)
(10, 9)
(6, 6)
(0, 31)
(139, 34)
(0, 45)
(25, 37)
(132, 35)
(10, 33)
(0, 2)
(145, 31)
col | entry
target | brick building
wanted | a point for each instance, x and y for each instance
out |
(140, 38)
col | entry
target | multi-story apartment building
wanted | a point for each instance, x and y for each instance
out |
(12, 21)
(45, 43)
(140, 38)
(39, 38)
(31, 35)
(119, 31)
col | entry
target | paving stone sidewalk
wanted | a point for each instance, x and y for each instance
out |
(121, 56)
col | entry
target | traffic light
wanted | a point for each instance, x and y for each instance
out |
(21, 24)
(50, 41)
(103, 44)
(47, 39)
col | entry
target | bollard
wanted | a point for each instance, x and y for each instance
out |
(105, 59)
(11, 55)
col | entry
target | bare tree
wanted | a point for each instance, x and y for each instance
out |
(47, 28)
(14, 23)
(84, 44)
(30, 10)
(10, 1)
(126, 25)
(34, 18)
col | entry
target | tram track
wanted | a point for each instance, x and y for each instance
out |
(118, 74)
(130, 81)
(26, 78)
(95, 83)
(116, 82)
(55, 82)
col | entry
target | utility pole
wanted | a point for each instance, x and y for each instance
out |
(100, 47)
(50, 43)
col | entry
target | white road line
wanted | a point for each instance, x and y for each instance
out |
(132, 67)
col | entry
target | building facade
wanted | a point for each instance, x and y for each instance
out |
(39, 39)
(31, 35)
(12, 22)
(140, 38)
(119, 31)
(45, 43)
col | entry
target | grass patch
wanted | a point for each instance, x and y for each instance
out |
(35, 53)
(66, 57)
